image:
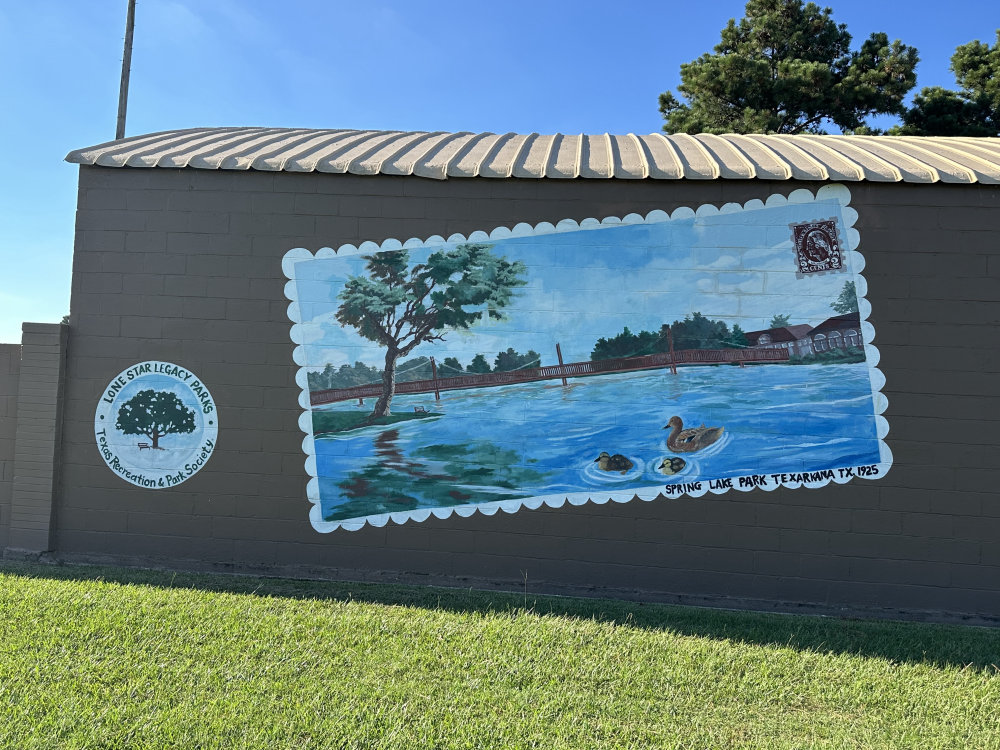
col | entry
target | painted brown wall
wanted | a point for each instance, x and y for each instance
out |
(10, 369)
(184, 265)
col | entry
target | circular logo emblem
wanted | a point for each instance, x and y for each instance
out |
(156, 425)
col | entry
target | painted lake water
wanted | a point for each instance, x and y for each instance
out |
(543, 438)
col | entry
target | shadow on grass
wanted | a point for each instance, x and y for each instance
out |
(901, 642)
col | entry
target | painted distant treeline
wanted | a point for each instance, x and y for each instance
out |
(504, 362)
(419, 368)
(694, 332)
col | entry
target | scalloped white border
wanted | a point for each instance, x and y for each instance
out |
(835, 191)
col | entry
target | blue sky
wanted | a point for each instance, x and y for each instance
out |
(541, 66)
(586, 284)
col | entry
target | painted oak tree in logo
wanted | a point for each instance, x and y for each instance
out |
(400, 307)
(155, 414)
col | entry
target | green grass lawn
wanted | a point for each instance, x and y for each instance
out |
(106, 658)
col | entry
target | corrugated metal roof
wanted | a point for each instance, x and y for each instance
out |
(630, 157)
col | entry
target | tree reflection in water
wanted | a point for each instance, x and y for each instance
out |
(433, 477)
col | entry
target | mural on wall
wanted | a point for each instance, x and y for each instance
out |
(703, 351)
(156, 424)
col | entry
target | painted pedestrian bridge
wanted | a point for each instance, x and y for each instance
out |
(570, 370)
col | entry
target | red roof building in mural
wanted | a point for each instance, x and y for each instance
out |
(838, 332)
(793, 338)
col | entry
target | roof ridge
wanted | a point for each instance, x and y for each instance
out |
(425, 153)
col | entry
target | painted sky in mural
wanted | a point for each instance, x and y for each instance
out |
(760, 308)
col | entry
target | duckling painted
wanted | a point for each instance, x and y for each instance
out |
(672, 465)
(692, 439)
(617, 462)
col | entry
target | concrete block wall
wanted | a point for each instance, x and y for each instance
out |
(10, 368)
(37, 437)
(184, 266)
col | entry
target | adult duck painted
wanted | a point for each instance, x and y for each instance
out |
(693, 438)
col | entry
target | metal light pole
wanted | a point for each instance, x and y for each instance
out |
(126, 68)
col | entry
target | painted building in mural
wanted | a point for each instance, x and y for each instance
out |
(838, 333)
(793, 338)
(733, 370)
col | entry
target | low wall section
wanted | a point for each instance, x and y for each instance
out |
(10, 368)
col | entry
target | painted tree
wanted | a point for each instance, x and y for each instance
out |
(698, 332)
(629, 344)
(513, 360)
(737, 338)
(779, 321)
(787, 67)
(847, 301)
(418, 368)
(400, 306)
(973, 110)
(155, 414)
(451, 367)
(478, 366)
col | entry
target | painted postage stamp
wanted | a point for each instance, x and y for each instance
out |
(605, 360)
(817, 246)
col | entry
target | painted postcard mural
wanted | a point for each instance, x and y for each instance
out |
(709, 350)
